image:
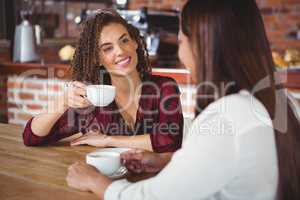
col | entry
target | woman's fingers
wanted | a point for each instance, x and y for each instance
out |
(91, 132)
(76, 143)
(135, 166)
(141, 161)
(131, 152)
(78, 84)
(80, 140)
(79, 92)
(94, 138)
(76, 95)
(78, 102)
(86, 136)
(77, 88)
(132, 160)
(132, 155)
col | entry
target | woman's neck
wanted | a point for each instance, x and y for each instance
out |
(126, 85)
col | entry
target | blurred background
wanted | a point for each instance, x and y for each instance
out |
(38, 37)
(59, 24)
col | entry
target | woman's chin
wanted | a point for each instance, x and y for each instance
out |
(128, 71)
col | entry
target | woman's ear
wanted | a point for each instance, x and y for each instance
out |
(135, 44)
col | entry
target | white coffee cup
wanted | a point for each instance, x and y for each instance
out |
(106, 162)
(100, 95)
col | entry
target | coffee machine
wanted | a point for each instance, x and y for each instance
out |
(159, 28)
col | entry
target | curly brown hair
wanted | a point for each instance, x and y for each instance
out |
(86, 62)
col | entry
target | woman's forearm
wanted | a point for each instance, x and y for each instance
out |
(42, 123)
(136, 142)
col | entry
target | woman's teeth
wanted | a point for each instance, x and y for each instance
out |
(124, 61)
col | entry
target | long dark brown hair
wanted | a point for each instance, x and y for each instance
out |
(230, 45)
(86, 61)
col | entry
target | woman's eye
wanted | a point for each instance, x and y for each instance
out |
(125, 40)
(107, 49)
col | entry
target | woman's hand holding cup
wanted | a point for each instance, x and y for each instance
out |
(79, 95)
(139, 161)
(75, 95)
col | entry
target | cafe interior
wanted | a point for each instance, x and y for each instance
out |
(37, 42)
(55, 27)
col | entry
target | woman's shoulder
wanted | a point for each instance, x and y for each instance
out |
(240, 102)
(241, 109)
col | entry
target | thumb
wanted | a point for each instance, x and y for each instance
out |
(78, 142)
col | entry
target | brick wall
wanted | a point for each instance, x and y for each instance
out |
(281, 17)
(30, 96)
(282, 21)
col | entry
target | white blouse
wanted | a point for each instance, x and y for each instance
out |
(229, 153)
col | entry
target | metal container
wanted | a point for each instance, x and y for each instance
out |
(25, 43)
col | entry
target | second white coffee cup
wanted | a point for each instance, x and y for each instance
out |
(107, 163)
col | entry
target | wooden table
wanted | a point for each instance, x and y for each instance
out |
(38, 172)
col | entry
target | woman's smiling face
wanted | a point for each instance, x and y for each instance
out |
(117, 50)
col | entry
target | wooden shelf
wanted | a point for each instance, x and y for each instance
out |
(61, 71)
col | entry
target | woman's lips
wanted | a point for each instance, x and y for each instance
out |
(123, 62)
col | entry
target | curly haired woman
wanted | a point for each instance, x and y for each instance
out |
(112, 52)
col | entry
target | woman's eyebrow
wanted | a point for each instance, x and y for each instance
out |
(109, 43)
(122, 36)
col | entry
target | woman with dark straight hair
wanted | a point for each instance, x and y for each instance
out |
(237, 50)
(244, 142)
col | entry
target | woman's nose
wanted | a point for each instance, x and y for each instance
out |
(119, 50)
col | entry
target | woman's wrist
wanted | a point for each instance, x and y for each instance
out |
(109, 141)
(116, 141)
(98, 184)
(58, 105)
(164, 159)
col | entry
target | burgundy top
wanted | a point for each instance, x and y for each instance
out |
(159, 114)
